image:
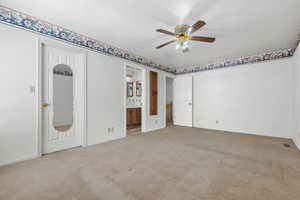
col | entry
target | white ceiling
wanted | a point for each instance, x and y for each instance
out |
(242, 27)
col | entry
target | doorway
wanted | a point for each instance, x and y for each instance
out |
(169, 101)
(63, 99)
(134, 100)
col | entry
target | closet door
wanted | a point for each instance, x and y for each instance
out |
(183, 101)
(61, 89)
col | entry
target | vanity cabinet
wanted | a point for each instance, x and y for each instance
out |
(134, 116)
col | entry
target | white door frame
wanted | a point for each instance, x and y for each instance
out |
(144, 103)
(39, 114)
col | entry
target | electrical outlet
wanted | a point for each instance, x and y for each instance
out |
(110, 130)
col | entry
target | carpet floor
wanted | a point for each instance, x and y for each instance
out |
(175, 163)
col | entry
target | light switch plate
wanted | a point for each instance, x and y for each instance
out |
(32, 89)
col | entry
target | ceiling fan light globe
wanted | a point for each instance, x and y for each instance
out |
(184, 50)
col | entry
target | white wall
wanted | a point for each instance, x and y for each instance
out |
(105, 98)
(105, 95)
(254, 99)
(296, 77)
(62, 100)
(18, 55)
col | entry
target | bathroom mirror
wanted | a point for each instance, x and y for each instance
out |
(62, 97)
(138, 91)
(129, 89)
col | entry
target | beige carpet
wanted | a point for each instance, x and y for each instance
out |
(175, 163)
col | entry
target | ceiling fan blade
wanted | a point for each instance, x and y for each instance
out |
(203, 39)
(165, 44)
(197, 26)
(165, 32)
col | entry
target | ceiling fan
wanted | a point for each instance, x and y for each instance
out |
(183, 35)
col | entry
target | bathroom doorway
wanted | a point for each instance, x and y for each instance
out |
(134, 100)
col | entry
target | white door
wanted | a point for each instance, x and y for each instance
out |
(183, 101)
(61, 89)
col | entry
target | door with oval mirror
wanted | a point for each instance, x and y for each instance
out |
(61, 94)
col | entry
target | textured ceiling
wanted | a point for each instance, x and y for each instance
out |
(241, 27)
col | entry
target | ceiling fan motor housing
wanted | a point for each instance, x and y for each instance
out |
(182, 32)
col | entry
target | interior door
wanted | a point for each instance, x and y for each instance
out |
(60, 94)
(183, 101)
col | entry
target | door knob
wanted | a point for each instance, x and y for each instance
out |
(45, 105)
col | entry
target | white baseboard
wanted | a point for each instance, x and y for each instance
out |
(297, 142)
(104, 140)
(154, 129)
(245, 132)
(18, 160)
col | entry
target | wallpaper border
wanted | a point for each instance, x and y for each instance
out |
(280, 54)
(24, 21)
(27, 22)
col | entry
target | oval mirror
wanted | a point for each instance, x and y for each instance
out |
(62, 97)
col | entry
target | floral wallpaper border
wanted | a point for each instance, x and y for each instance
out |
(24, 21)
(239, 61)
(21, 20)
